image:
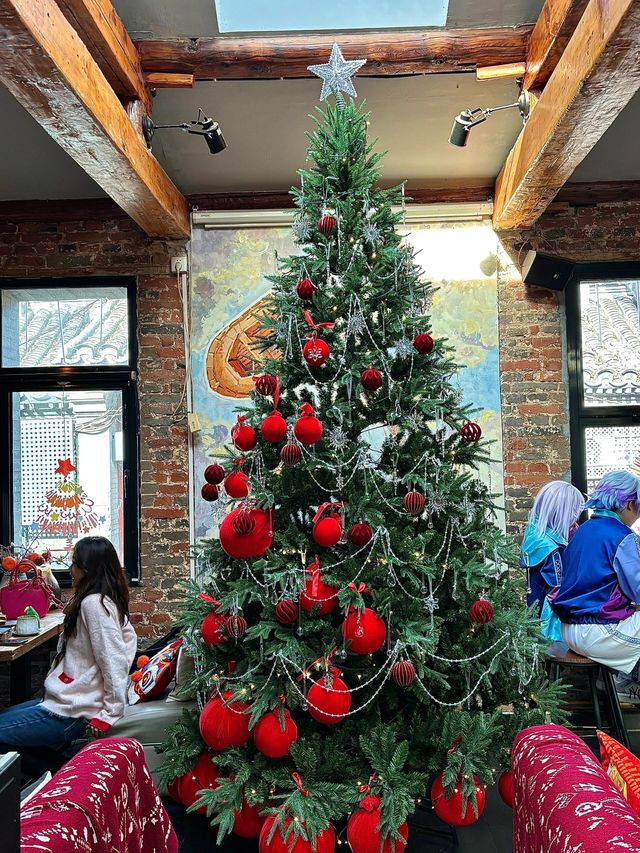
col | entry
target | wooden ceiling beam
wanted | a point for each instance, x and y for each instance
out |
(48, 69)
(596, 77)
(387, 53)
(556, 24)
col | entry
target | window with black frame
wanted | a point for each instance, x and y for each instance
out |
(68, 430)
(603, 342)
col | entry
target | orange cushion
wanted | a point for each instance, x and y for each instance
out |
(623, 768)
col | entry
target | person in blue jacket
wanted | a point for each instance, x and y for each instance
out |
(599, 597)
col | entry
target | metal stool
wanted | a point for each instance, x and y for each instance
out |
(560, 657)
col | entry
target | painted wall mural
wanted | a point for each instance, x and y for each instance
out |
(229, 291)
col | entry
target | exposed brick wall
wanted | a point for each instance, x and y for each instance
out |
(118, 247)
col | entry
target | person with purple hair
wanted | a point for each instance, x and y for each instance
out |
(598, 602)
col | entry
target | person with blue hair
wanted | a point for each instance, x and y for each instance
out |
(598, 602)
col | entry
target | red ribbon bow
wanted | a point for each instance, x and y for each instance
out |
(316, 326)
(239, 461)
(298, 782)
(326, 660)
(276, 395)
(367, 787)
(306, 409)
(324, 506)
(362, 587)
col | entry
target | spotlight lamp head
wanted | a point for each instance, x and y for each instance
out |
(470, 118)
(201, 126)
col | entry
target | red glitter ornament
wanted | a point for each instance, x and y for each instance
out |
(327, 223)
(243, 436)
(286, 611)
(413, 503)
(308, 428)
(363, 833)
(305, 289)
(272, 738)
(243, 523)
(203, 775)
(403, 673)
(316, 351)
(364, 631)
(212, 629)
(325, 841)
(236, 626)
(371, 379)
(423, 343)
(481, 612)
(329, 698)
(317, 592)
(470, 432)
(248, 821)
(214, 474)
(291, 455)
(265, 384)
(505, 787)
(209, 492)
(224, 725)
(360, 534)
(242, 547)
(451, 809)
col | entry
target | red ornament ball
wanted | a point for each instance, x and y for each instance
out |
(291, 455)
(317, 592)
(325, 841)
(363, 833)
(212, 629)
(244, 437)
(327, 224)
(243, 523)
(236, 484)
(360, 534)
(371, 379)
(364, 631)
(453, 810)
(214, 474)
(236, 626)
(327, 531)
(266, 384)
(423, 343)
(403, 673)
(209, 492)
(481, 611)
(273, 427)
(330, 702)
(413, 503)
(173, 789)
(203, 775)
(316, 352)
(223, 726)
(273, 739)
(505, 787)
(470, 432)
(253, 545)
(248, 821)
(308, 428)
(305, 289)
(286, 611)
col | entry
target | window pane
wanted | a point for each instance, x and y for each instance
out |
(52, 327)
(612, 449)
(610, 320)
(67, 469)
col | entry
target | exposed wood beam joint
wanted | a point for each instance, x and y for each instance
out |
(556, 24)
(156, 80)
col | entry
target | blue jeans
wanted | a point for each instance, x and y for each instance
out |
(31, 725)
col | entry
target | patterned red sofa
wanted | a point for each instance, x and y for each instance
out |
(563, 801)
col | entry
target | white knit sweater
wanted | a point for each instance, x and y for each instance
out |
(92, 677)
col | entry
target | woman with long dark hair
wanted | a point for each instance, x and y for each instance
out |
(85, 690)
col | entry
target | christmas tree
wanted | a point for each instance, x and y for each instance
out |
(357, 632)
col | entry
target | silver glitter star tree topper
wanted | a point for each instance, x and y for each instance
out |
(336, 74)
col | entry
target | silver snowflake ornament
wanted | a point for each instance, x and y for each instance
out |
(338, 438)
(282, 330)
(437, 503)
(371, 233)
(356, 323)
(431, 603)
(336, 74)
(301, 228)
(403, 348)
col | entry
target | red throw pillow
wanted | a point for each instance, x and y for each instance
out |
(622, 767)
(153, 674)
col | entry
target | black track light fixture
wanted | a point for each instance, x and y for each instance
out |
(469, 118)
(201, 126)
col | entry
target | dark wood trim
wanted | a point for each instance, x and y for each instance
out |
(287, 56)
(600, 192)
(556, 24)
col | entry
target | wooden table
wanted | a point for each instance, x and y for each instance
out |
(19, 657)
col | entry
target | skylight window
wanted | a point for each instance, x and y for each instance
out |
(244, 16)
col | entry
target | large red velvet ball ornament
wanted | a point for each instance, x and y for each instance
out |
(316, 352)
(505, 787)
(270, 738)
(273, 427)
(307, 429)
(173, 789)
(423, 343)
(236, 484)
(329, 704)
(244, 437)
(317, 592)
(325, 841)
(371, 379)
(413, 503)
(305, 289)
(243, 523)
(327, 531)
(248, 821)
(470, 432)
(255, 544)
(286, 611)
(214, 474)
(209, 492)
(403, 673)
(291, 455)
(363, 834)
(360, 534)
(203, 775)
(452, 810)
(481, 611)
(236, 626)
(364, 630)
(223, 726)
(327, 224)
(212, 629)
(266, 384)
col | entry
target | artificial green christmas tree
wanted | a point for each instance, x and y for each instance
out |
(357, 632)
